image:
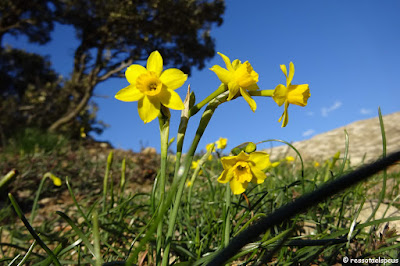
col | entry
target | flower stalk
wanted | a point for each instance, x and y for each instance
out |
(227, 229)
(205, 119)
(196, 108)
(265, 93)
(164, 136)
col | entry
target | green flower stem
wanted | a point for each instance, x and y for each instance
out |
(179, 143)
(122, 181)
(196, 173)
(7, 179)
(35, 201)
(96, 238)
(164, 135)
(222, 88)
(227, 229)
(265, 93)
(205, 119)
(105, 180)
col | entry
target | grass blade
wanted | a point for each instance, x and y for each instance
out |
(31, 230)
(78, 232)
(27, 254)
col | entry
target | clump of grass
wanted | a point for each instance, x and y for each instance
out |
(321, 235)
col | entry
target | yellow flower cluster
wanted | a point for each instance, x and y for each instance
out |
(154, 87)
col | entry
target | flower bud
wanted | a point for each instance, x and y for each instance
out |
(251, 147)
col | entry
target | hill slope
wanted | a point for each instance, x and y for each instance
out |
(364, 139)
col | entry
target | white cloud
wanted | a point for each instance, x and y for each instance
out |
(365, 111)
(310, 113)
(326, 110)
(308, 133)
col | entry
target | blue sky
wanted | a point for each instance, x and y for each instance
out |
(347, 51)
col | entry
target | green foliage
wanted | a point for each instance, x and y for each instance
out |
(31, 95)
(317, 236)
(31, 18)
(31, 140)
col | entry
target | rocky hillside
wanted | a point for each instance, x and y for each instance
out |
(364, 137)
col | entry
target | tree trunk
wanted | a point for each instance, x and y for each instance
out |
(68, 117)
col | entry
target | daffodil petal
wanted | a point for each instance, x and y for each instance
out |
(148, 109)
(155, 63)
(260, 159)
(225, 177)
(171, 99)
(280, 94)
(229, 161)
(252, 87)
(285, 115)
(221, 143)
(129, 94)
(224, 75)
(233, 90)
(173, 78)
(242, 156)
(236, 64)
(249, 100)
(291, 74)
(237, 187)
(133, 72)
(227, 62)
(298, 94)
(284, 70)
(258, 175)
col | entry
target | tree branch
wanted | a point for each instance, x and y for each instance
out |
(115, 70)
(74, 113)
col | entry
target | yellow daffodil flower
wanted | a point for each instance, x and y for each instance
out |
(289, 158)
(151, 87)
(209, 147)
(316, 164)
(275, 164)
(244, 168)
(221, 143)
(195, 164)
(83, 133)
(239, 78)
(290, 94)
(56, 180)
